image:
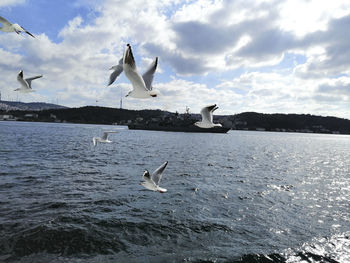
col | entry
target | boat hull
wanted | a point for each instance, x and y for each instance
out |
(191, 128)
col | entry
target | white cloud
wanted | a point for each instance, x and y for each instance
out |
(303, 17)
(5, 3)
(191, 39)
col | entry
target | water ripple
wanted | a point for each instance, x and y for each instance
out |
(243, 197)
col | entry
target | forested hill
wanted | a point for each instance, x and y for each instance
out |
(87, 114)
(241, 121)
(35, 106)
(291, 122)
(101, 115)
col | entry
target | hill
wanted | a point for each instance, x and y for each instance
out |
(241, 121)
(28, 106)
(291, 122)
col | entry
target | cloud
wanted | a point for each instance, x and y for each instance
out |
(331, 58)
(5, 3)
(200, 38)
(233, 53)
(339, 88)
(181, 64)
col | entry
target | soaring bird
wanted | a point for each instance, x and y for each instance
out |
(103, 139)
(26, 84)
(152, 180)
(142, 85)
(207, 117)
(9, 27)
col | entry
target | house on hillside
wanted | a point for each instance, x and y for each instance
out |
(7, 117)
(31, 116)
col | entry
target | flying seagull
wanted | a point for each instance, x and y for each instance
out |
(9, 27)
(207, 117)
(26, 84)
(103, 139)
(142, 85)
(152, 181)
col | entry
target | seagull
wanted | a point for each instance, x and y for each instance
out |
(207, 117)
(26, 84)
(9, 27)
(152, 181)
(104, 138)
(142, 85)
(147, 76)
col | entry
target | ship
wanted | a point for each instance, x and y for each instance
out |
(176, 123)
(190, 128)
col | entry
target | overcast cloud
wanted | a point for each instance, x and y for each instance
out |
(264, 56)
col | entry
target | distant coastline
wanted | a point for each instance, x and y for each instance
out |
(43, 112)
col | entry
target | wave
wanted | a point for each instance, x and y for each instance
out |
(60, 240)
(112, 238)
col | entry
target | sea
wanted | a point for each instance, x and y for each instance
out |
(244, 196)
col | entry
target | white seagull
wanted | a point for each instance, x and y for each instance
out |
(142, 86)
(26, 84)
(9, 27)
(207, 117)
(104, 138)
(147, 76)
(152, 181)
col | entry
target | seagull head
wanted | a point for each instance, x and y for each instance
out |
(128, 94)
(212, 108)
(18, 29)
(146, 174)
(20, 75)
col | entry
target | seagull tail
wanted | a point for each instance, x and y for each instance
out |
(161, 190)
(154, 93)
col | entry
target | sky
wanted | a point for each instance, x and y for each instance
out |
(273, 56)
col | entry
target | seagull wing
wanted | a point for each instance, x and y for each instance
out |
(29, 80)
(130, 70)
(149, 184)
(207, 116)
(5, 21)
(20, 79)
(157, 174)
(105, 135)
(27, 32)
(116, 72)
(149, 74)
(212, 111)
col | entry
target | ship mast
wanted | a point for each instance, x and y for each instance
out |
(121, 99)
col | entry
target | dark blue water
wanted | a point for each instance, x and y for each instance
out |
(236, 197)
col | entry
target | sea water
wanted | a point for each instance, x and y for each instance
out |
(237, 197)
